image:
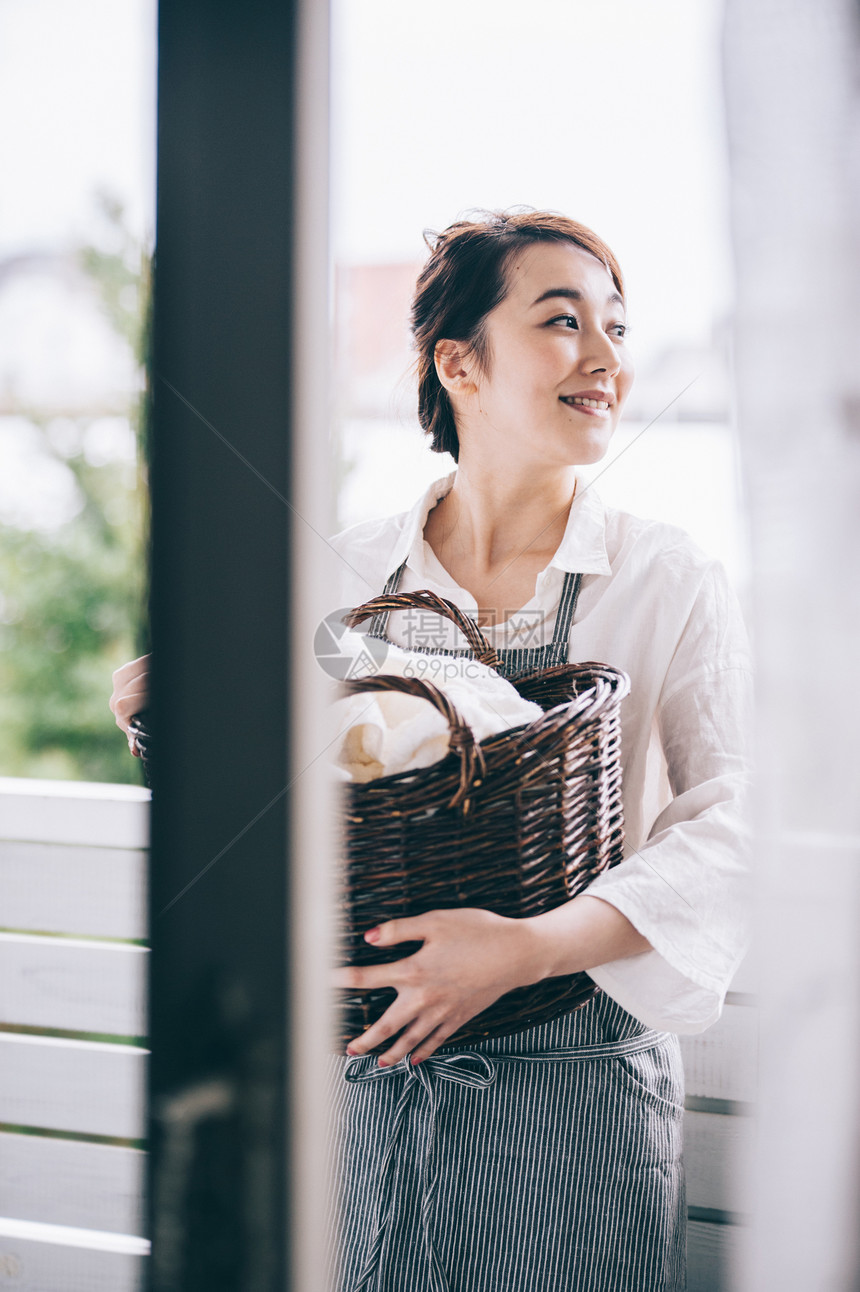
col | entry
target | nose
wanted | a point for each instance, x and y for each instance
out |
(599, 353)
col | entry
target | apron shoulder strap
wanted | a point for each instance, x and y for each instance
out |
(563, 618)
(379, 622)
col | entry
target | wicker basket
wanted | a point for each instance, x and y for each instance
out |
(138, 729)
(516, 824)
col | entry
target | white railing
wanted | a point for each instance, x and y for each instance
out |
(72, 964)
(73, 914)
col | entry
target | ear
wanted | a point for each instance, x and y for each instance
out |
(453, 366)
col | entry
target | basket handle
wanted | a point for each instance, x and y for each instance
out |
(461, 739)
(426, 600)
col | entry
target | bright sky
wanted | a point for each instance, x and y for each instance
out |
(608, 110)
(77, 98)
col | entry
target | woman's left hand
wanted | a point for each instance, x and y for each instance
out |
(469, 959)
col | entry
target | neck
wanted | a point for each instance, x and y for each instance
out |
(494, 515)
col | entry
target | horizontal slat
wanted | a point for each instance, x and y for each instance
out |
(67, 1182)
(92, 1240)
(716, 1153)
(92, 892)
(712, 1254)
(82, 1086)
(79, 812)
(721, 1107)
(72, 985)
(29, 1266)
(721, 1062)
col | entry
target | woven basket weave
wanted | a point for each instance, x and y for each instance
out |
(516, 824)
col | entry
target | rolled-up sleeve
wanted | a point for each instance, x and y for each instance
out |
(686, 888)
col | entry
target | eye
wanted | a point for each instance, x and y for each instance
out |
(571, 323)
(567, 319)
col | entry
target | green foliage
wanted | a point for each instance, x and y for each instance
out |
(71, 599)
(117, 273)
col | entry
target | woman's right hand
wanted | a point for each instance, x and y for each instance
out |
(130, 694)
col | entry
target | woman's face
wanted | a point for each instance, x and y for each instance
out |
(556, 340)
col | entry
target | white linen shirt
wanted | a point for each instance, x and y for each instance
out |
(653, 604)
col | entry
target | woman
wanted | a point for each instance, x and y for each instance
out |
(550, 1159)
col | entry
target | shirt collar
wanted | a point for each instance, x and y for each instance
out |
(582, 549)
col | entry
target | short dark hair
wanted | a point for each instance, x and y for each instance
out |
(463, 280)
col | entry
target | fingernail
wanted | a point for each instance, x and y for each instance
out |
(350, 1051)
(372, 935)
(383, 1063)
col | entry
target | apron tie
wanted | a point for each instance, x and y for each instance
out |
(475, 1070)
(468, 1068)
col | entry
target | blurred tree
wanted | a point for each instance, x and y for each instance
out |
(71, 599)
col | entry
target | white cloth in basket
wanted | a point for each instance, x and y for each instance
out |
(383, 732)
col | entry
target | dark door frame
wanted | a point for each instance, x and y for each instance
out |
(221, 480)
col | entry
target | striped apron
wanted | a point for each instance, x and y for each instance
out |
(545, 1161)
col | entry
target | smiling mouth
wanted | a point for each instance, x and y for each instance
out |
(585, 405)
